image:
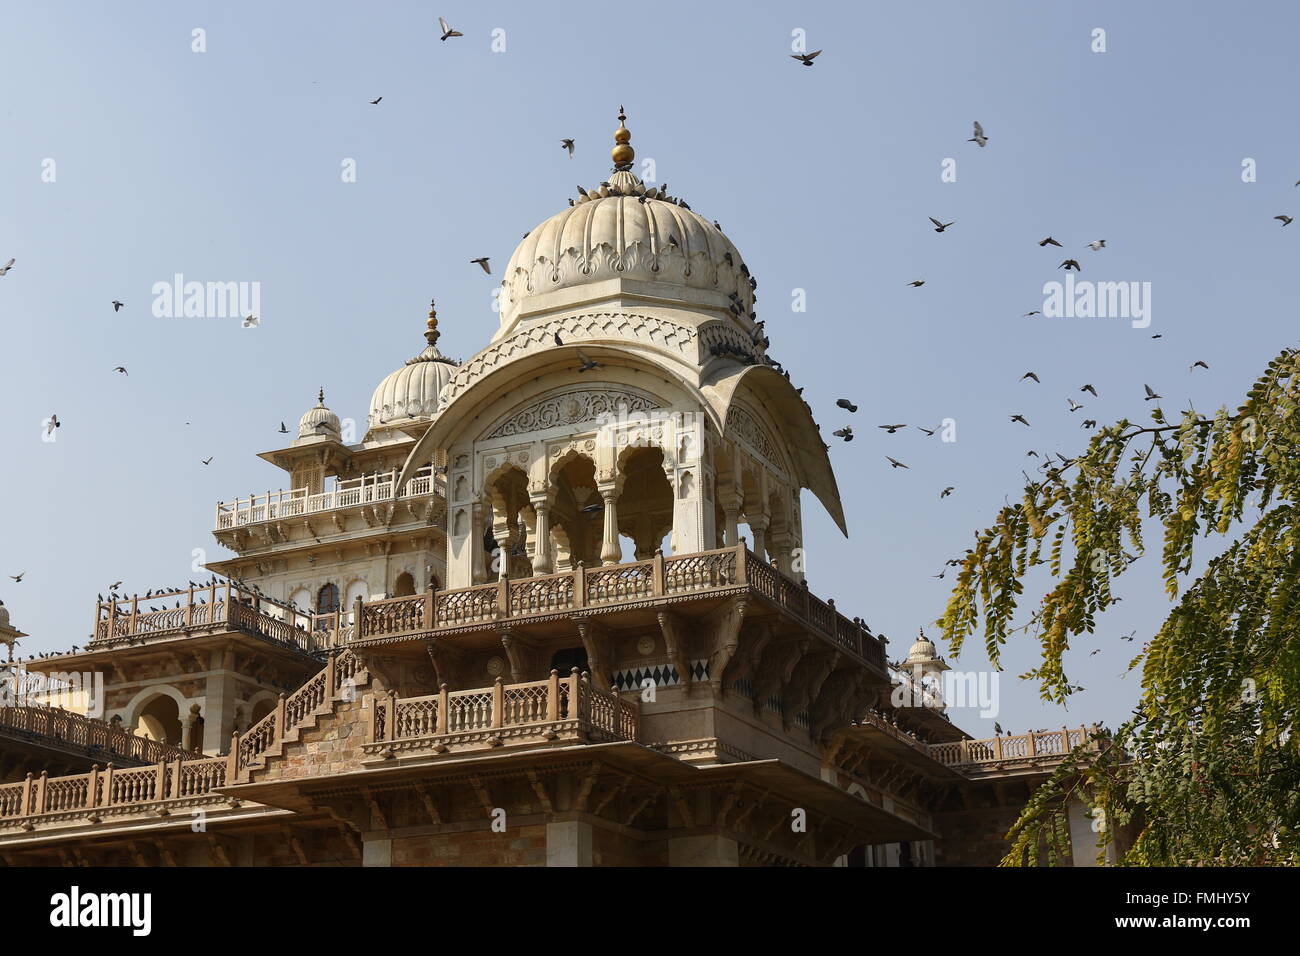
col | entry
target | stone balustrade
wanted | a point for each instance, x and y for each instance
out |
(1040, 745)
(297, 502)
(545, 710)
(75, 731)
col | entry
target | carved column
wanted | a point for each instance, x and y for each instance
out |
(610, 552)
(542, 562)
(758, 525)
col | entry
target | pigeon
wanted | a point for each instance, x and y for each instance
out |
(1089, 388)
(1030, 375)
(1069, 264)
(1020, 418)
(928, 431)
(1089, 423)
(122, 369)
(979, 139)
(592, 509)
(806, 58)
(251, 322)
(845, 404)
(52, 423)
(1049, 241)
(118, 306)
(846, 433)
(946, 492)
(1151, 393)
(447, 31)
(114, 586)
(940, 226)
(891, 428)
(1074, 406)
(916, 283)
(1160, 336)
(1097, 245)
(4, 269)
(375, 102)
(558, 340)
(997, 728)
(17, 578)
(587, 363)
(283, 430)
(894, 462)
(1028, 314)
(567, 144)
(1285, 220)
(483, 261)
(1196, 364)
(208, 460)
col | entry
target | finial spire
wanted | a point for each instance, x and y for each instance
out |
(622, 153)
(431, 332)
(320, 396)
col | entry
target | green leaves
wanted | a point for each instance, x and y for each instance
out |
(1209, 764)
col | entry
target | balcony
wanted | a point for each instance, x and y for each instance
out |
(298, 502)
(1029, 751)
(658, 582)
(536, 713)
(85, 736)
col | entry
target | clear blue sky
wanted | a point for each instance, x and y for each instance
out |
(225, 166)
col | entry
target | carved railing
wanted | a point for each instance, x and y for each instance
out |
(136, 788)
(540, 704)
(294, 502)
(1040, 745)
(86, 733)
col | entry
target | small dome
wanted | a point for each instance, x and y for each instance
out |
(319, 421)
(411, 392)
(4, 615)
(925, 655)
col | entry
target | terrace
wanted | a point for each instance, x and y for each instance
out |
(341, 494)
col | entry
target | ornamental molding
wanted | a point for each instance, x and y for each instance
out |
(741, 424)
(573, 408)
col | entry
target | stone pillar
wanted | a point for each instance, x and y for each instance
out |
(219, 706)
(542, 561)
(731, 511)
(708, 850)
(478, 557)
(1084, 840)
(782, 545)
(568, 843)
(610, 552)
(758, 527)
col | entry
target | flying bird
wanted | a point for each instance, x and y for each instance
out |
(846, 433)
(118, 306)
(894, 462)
(845, 404)
(283, 430)
(1049, 241)
(1019, 418)
(946, 492)
(208, 460)
(447, 31)
(979, 139)
(587, 363)
(483, 261)
(928, 431)
(1089, 388)
(916, 283)
(17, 577)
(52, 423)
(1151, 393)
(1074, 406)
(1028, 314)
(1069, 264)
(251, 322)
(940, 226)
(806, 58)
(1285, 220)
(891, 428)
(1030, 375)
(4, 269)
(122, 369)
(567, 144)
(1097, 245)
(1197, 364)
(1089, 423)
(375, 102)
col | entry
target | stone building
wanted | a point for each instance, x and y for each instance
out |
(548, 610)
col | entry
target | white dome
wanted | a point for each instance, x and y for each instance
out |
(624, 230)
(319, 421)
(412, 390)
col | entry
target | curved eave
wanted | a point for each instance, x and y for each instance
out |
(798, 429)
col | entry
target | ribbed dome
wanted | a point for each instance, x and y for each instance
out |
(4, 615)
(925, 655)
(624, 230)
(412, 390)
(319, 421)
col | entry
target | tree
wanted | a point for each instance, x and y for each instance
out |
(1207, 768)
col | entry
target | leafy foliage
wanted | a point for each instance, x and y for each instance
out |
(1207, 770)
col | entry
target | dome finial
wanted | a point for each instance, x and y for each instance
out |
(622, 153)
(320, 397)
(431, 332)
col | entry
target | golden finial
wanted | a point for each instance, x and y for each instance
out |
(622, 153)
(431, 333)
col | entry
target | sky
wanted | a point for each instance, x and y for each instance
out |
(226, 165)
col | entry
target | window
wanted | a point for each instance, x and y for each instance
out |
(327, 599)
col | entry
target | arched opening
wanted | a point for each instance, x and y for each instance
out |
(565, 660)
(260, 710)
(508, 496)
(577, 514)
(327, 599)
(160, 719)
(405, 585)
(645, 504)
